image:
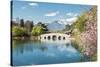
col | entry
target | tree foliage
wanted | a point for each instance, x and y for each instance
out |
(37, 30)
(80, 23)
(28, 25)
(43, 25)
(18, 31)
(67, 27)
(21, 23)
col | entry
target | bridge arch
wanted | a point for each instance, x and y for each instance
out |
(54, 36)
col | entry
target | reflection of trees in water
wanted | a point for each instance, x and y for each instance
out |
(28, 46)
(68, 44)
(75, 45)
(20, 50)
(22, 46)
(13, 44)
(43, 48)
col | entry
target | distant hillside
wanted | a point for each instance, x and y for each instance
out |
(55, 26)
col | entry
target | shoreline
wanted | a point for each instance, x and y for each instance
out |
(25, 38)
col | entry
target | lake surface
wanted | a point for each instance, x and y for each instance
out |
(36, 53)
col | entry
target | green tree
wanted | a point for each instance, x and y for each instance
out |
(18, 31)
(43, 25)
(21, 23)
(80, 23)
(28, 25)
(37, 30)
(67, 27)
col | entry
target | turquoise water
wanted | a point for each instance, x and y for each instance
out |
(36, 53)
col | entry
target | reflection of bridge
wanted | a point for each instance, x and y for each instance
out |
(54, 36)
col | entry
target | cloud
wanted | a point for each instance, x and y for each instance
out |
(73, 19)
(52, 13)
(30, 4)
(33, 4)
(68, 20)
(72, 14)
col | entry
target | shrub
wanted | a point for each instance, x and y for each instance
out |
(80, 23)
(37, 30)
(18, 31)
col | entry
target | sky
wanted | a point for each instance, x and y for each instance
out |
(47, 12)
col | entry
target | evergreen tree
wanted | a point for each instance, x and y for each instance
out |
(21, 24)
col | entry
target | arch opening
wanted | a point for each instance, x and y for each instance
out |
(54, 37)
(48, 37)
(44, 37)
(59, 38)
(63, 38)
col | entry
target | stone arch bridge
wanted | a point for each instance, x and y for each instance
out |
(54, 36)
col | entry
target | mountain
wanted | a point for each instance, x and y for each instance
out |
(56, 26)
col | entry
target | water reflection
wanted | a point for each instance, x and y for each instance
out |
(46, 52)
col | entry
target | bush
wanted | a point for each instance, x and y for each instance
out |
(37, 30)
(80, 23)
(18, 31)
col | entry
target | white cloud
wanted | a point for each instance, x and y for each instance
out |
(68, 20)
(30, 4)
(52, 13)
(73, 19)
(33, 4)
(72, 14)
